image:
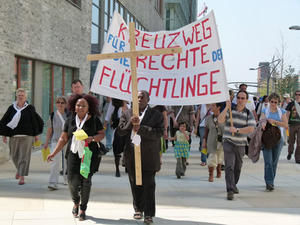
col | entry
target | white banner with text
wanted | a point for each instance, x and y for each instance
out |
(195, 76)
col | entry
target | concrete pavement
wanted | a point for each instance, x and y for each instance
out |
(188, 201)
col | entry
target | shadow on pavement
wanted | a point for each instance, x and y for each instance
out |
(156, 220)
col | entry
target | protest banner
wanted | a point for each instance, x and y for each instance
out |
(194, 76)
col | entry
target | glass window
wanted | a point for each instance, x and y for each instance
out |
(96, 2)
(122, 11)
(68, 81)
(105, 34)
(111, 6)
(105, 22)
(15, 80)
(95, 15)
(131, 18)
(93, 70)
(95, 34)
(57, 82)
(25, 76)
(168, 19)
(46, 96)
(128, 18)
(106, 6)
(116, 6)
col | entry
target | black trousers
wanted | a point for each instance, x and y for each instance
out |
(144, 195)
(79, 186)
(80, 189)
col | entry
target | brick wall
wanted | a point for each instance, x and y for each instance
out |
(54, 31)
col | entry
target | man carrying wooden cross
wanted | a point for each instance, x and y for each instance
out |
(150, 127)
(143, 165)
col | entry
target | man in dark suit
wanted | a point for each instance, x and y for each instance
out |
(149, 126)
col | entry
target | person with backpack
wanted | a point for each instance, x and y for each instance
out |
(212, 141)
(238, 125)
(55, 126)
(293, 115)
(272, 144)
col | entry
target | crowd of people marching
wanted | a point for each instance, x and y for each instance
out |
(245, 124)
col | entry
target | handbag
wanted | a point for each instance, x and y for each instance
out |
(101, 149)
(85, 165)
(271, 136)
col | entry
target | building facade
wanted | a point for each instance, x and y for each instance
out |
(43, 47)
(179, 13)
(44, 44)
(147, 15)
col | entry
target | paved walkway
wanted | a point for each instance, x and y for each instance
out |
(188, 201)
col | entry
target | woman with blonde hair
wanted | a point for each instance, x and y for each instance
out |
(21, 124)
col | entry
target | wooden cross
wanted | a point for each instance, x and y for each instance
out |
(133, 54)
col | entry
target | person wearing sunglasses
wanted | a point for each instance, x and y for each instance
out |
(55, 126)
(293, 115)
(276, 117)
(235, 139)
(84, 117)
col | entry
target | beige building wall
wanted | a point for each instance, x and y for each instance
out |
(52, 31)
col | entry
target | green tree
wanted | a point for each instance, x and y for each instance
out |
(289, 82)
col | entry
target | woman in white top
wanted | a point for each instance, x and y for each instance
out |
(55, 126)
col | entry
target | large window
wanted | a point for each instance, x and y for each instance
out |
(105, 9)
(24, 76)
(102, 13)
(47, 79)
(95, 26)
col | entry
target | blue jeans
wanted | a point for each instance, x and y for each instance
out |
(271, 157)
(201, 132)
(108, 136)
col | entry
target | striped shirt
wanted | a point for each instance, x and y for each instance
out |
(240, 120)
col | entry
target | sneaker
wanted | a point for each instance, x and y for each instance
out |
(52, 187)
(230, 195)
(289, 156)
